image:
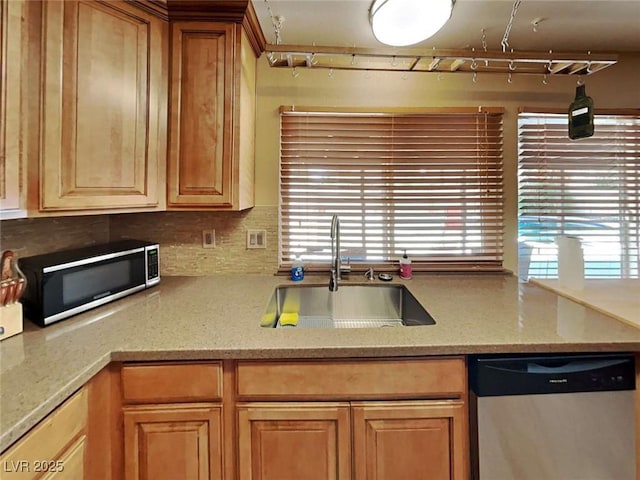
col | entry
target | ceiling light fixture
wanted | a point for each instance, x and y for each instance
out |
(406, 22)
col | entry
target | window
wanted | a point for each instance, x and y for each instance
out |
(427, 183)
(588, 188)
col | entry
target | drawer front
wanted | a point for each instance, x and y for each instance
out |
(47, 441)
(172, 382)
(351, 380)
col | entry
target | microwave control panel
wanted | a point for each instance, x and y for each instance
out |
(153, 264)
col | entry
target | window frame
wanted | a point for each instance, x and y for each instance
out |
(419, 263)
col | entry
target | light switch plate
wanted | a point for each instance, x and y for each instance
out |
(209, 238)
(256, 239)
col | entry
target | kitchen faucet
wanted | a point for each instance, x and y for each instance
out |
(335, 254)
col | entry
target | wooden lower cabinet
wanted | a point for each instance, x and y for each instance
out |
(417, 440)
(168, 442)
(422, 440)
(294, 441)
(55, 448)
(72, 462)
(249, 420)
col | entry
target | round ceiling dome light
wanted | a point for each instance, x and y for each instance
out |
(406, 22)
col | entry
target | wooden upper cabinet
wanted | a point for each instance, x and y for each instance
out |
(104, 107)
(212, 117)
(201, 100)
(11, 45)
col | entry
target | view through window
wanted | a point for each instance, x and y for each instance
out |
(588, 188)
(430, 184)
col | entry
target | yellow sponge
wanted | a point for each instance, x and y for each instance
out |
(289, 319)
(268, 319)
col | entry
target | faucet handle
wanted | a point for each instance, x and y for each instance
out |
(370, 274)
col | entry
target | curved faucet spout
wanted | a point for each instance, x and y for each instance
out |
(335, 254)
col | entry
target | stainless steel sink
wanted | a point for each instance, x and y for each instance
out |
(351, 306)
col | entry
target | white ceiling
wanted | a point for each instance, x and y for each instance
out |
(567, 26)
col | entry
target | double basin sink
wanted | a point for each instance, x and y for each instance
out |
(351, 306)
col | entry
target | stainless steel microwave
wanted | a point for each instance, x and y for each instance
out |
(65, 283)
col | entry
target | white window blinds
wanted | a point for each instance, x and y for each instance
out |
(588, 188)
(429, 183)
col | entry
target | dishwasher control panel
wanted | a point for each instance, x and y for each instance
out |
(495, 375)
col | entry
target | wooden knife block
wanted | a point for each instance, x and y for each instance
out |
(10, 320)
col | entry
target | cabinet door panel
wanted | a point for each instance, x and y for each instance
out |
(417, 440)
(102, 66)
(11, 12)
(71, 464)
(292, 441)
(200, 159)
(173, 441)
(107, 97)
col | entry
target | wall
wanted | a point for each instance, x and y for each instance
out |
(615, 87)
(180, 233)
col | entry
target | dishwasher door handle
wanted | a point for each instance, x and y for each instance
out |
(572, 367)
(577, 366)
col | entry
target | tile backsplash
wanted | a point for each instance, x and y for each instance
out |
(180, 237)
(178, 233)
(33, 236)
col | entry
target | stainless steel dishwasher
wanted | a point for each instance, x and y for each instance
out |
(553, 417)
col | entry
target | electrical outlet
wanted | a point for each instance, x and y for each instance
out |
(256, 239)
(209, 238)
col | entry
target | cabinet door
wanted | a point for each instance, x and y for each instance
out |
(417, 440)
(70, 465)
(294, 441)
(11, 12)
(167, 442)
(39, 450)
(102, 118)
(201, 128)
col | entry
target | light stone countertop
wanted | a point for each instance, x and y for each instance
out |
(618, 298)
(217, 317)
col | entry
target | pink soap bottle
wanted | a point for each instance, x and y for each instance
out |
(406, 271)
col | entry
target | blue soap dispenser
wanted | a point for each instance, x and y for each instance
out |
(297, 270)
